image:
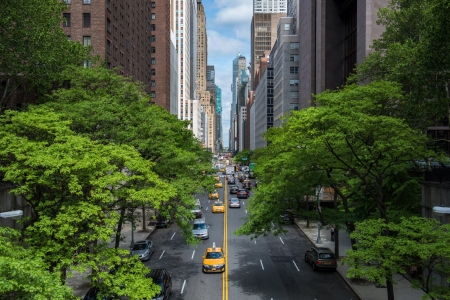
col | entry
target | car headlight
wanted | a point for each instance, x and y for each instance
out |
(206, 266)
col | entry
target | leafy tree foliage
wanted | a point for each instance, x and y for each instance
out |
(413, 242)
(34, 49)
(414, 51)
(112, 109)
(243, 157)
(24, 273)
(71, 184)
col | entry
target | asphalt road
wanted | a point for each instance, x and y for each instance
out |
(271, 268)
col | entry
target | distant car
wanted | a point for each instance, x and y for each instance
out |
(321, 258)
(197, 209)
(144, 249)
(235, 202)
(213, 260)
(200, 229)
(162, 222)
(231, 180)
(234, 189)
(217, 178)
(214, 195)
(242, 193)
(162, 278)
(287, 217)
(247, 184)
(251, 174)
(218, 184)
(218, 207)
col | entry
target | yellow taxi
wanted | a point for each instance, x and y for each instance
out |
(222, 170)
(218, 207)
(217, 178)
(213, 195)
(213, 260)
(218, 184)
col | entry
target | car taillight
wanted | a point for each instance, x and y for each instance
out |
(319, 262)
(334, 262)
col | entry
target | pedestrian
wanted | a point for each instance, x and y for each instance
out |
(332, 233)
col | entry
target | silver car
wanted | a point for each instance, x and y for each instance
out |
(235, 202)
(200, 229)
(144, 249)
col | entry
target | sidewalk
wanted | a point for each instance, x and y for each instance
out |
(366, 290)
(79, 283)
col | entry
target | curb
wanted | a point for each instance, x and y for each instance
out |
(337, 270)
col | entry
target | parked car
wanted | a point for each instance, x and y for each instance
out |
(144, 249)
(200, 229)
(163, 222)
(235, 202)
(321, 258)
(242, 193)
(162, 278)
(234, 189)
(197, 209)
(287, 217)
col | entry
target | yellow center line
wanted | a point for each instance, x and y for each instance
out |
(225, 243)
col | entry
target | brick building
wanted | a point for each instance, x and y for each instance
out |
(132, 35)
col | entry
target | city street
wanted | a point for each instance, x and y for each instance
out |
(267, 268)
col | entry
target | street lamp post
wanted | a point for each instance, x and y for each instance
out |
(319, 224)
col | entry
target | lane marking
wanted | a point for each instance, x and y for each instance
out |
(296, 266)
(162, 254)
(193, 255)
(281, 240)
(182, 289)
(173, 235)
(245, 211)
(262, 266)
(206, 208)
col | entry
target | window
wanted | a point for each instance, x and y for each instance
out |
(293, 57)
(153, 61)
(108, 46)
(66, 22)
(293, 70)
(286, 26)
(293, 106)
(270, 110)
(153, 27)
(108, 65)
(153, 94)
(153, 72)
(293, 45)
(86, 1)
(69, 37)
(153, 16)
(128, 45)
(153, 82)
(67, 1)
(153, 50)
(87, 63)
(86, 41)
(108, 4)
(108, 25)
(86, 20)
(153, 4)
(293, 94)
(293, 82)
(153, 38)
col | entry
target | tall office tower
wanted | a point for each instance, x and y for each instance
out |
(185, 34)
(332, 36)
(202, 93)
(239, 64)
(219, 116)
(136, 37)
(266, 14)
(211, 89)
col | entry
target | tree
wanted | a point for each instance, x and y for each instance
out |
(414, 51)
(243, 157)
(414, 241)
(112, 109)
(24, 273)
(34, 49)
(71, 184)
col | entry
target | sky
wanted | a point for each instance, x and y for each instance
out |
(228, 32)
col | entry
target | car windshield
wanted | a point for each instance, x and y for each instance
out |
(196, 207)
(200, 226)
(326, 255)
(234, 200)
(214, 255)
(140, 246)
(218, 204)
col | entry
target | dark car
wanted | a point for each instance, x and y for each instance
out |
(162, 278)
(321, 258)
(162, 222)
(93, 294)
(234, 189)
(242, 193)
(144, 249)
(247, 184)
(287, 217)
(231, 180)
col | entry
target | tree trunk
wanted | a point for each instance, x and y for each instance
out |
(144, 225)
(390, 288)
(119, 227)
(336, 229)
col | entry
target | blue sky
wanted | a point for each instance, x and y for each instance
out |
(228, 31)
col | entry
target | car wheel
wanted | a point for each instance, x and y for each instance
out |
(314, 268)
(306, 258)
